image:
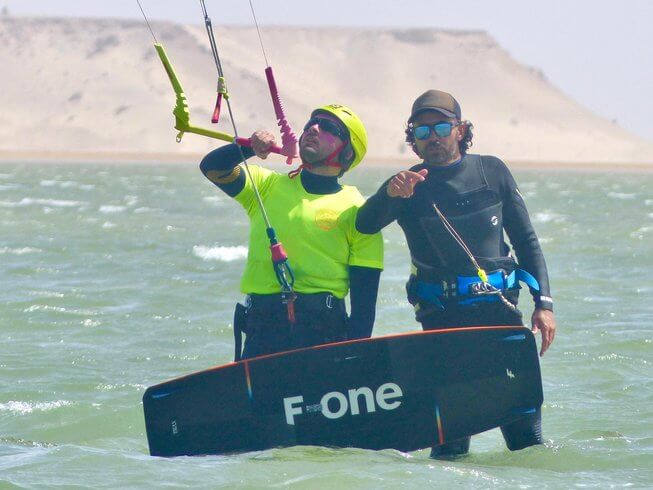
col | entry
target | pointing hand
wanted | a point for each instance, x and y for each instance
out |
(403, 184)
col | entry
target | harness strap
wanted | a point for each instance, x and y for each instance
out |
(520, 275)
(430, 292)
(495, 279)
(462, 285)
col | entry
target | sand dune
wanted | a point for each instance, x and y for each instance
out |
(82, 85)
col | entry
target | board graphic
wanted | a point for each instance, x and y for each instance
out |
(406, 392)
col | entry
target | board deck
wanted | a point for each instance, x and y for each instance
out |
(406, 391)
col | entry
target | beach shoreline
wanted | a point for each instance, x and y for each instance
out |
(146, 158)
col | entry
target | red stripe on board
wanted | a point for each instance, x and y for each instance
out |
(391, 336)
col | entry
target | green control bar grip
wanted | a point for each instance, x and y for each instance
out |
(182, 112)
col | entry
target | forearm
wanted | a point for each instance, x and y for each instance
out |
(363, 287)
(221, 167)
(529, 252)
(521, 233)
(531, 259)
(378, 212)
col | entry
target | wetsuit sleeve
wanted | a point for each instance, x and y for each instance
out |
(364, 287)
(522, 236)
(221, 167)
(378, 211)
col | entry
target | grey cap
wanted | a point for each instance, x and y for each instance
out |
(436, 100)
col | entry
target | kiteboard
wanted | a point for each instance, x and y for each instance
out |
(405, 391)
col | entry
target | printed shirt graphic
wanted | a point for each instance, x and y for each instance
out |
(317, 231)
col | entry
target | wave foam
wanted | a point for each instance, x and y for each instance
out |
(29, 201)
(214, 199)
(23, 408)
(131, 200)
(19, 251)
(223, 254)
(145, 209)
(640, 232)
(64, 184)
(621, 195)
(548, 217)
(110, 209)
(59, 309)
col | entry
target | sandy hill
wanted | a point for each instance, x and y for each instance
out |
(97, 86)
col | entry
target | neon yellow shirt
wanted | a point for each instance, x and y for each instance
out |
(318, 233)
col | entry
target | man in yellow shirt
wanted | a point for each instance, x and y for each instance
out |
(315, 217)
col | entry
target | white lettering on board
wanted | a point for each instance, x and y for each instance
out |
(290, 410)
(335, 404)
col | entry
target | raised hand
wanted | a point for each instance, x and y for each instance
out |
(403, 184)
(262, 143)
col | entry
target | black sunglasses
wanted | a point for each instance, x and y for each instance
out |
(329, 126)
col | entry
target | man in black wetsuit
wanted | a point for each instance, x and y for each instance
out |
(314, 217)
(463, 201)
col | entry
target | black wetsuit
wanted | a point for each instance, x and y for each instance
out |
(480, 198)
(320, 318)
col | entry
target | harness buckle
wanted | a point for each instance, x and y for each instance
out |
(481, 288)
(329, 301)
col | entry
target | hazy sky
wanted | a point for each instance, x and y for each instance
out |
(598, 52)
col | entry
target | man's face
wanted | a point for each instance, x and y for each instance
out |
(319, 140)
(438, 150)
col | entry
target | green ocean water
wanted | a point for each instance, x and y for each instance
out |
(114, 278)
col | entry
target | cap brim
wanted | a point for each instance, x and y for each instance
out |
(437, 109)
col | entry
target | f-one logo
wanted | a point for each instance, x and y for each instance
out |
(335, 404)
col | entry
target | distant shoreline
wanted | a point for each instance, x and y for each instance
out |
(137, 158)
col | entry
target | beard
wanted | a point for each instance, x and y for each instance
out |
(315, 157)
(437, 154)
(311, 156)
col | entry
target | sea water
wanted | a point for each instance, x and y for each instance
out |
(117, 277)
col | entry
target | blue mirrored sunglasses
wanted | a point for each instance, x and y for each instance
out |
(441, 130)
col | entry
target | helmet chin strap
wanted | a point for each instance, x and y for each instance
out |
(329, 161)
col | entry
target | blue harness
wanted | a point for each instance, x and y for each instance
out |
(470, 289)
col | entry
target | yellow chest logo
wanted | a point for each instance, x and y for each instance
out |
(326, 219)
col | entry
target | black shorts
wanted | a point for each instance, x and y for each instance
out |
(320, 318)
(470, 315)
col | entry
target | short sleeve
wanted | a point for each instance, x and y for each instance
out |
(263, 178)
(366, 250)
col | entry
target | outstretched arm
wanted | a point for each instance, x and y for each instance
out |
(383, 208)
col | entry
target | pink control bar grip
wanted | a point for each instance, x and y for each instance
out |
(247, 142)
(274, 92)
(289, 146)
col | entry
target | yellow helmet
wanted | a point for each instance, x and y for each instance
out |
(357, 133)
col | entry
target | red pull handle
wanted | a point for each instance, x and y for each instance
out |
(216, 112)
